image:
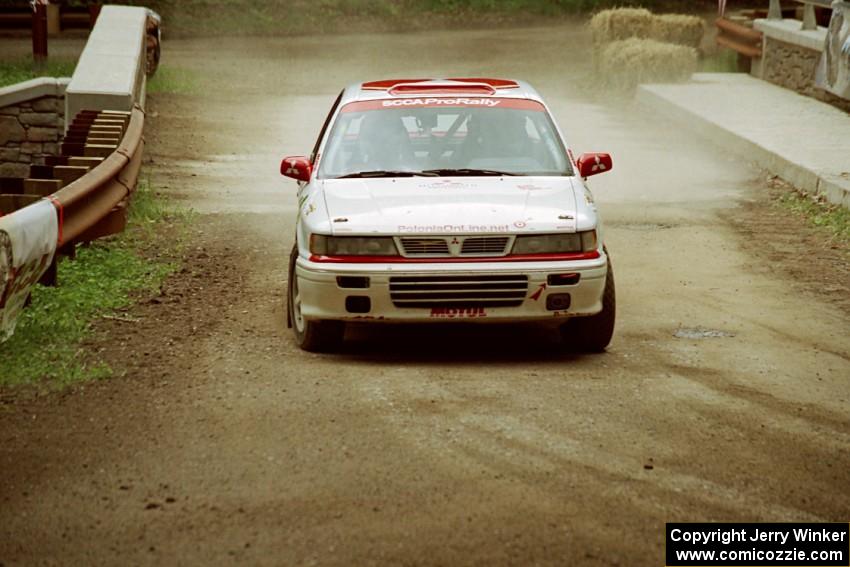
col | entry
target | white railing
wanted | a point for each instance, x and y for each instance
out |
(809, 19)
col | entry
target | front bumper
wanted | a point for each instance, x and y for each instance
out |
(323, 297)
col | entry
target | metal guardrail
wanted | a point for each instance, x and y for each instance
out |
(90, 182)
(746, 41)
(91, 204)
(95, 204)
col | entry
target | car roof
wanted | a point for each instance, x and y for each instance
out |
(458, 86)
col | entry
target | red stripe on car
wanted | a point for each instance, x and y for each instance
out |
(566, 257)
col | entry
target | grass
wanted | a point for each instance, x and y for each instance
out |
(833, 219)
(106, 276)
(12, 72)
(173, 80)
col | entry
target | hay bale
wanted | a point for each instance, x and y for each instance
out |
(624, 23)
(620, 23)
(625, 64)
(677, 28)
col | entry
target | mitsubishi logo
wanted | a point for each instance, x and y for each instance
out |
(455, 246)
(598, 166)
(292, 170)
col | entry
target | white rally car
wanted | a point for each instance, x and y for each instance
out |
(446, 200)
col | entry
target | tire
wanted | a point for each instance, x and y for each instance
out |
(312, 336)
(593, 334)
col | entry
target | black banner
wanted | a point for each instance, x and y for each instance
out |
(758, 545)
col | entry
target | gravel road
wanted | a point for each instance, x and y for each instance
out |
(724, 396)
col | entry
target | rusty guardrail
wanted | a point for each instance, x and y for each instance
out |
(77, 197)
(95, 204)
(746, 41)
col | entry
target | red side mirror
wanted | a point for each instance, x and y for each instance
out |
(593, 163)
(296, 167)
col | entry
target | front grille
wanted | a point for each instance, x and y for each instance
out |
(458, 291)
(425, 246)
(490, 245)
(454, 246)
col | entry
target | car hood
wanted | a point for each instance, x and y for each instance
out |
(450, 205)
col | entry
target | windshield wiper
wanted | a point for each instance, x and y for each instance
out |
(467, 171)
(388, 173)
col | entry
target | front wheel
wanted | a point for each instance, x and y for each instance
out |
(313, 336)
(593, 334)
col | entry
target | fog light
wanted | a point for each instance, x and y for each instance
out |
(358, 304)
(563, 279)
(352, 282)
(558, 301)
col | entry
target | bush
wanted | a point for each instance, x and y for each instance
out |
(625, 64)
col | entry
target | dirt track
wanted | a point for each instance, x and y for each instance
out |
(224, 443)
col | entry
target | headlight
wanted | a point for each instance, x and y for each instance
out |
(555, 243)
(322, 245)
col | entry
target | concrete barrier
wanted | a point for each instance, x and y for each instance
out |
(110, 74)
(33, 89)
(801, 140)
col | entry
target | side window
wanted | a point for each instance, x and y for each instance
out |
(343, 143)
(556, 154)
(324, 128)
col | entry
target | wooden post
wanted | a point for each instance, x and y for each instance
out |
(39, 33)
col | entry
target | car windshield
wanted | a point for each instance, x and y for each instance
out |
(442, 137)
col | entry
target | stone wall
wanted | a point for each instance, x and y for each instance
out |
(32, 123)
(790, 57)
(793, 67)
